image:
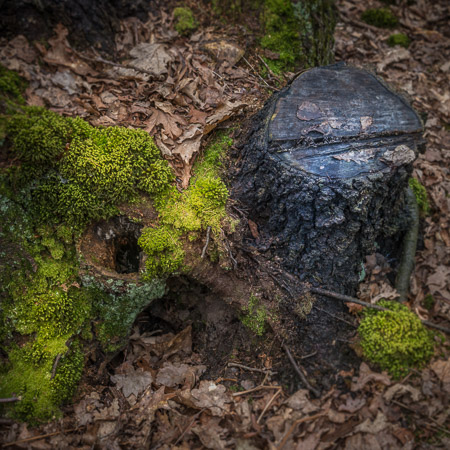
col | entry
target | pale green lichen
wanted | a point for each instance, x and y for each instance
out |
(421, 196)
(255, 315)
(395, 340)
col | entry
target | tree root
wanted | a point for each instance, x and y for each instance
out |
(406, 265)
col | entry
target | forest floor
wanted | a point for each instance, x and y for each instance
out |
(192, 376)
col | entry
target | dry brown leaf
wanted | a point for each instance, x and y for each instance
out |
(442, 370)
(366, 376)
(60, 54)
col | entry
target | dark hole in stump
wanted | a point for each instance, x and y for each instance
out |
(127, 253)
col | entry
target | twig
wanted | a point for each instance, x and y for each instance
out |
(230, 254)
(251, 369)
(297, 422)
(257, 388)
(194, 418)
(309, 356)
(55, 365)
(274, 396)
(110, 63)
(268, 68)
(300, 373)
(436, 423)
(42, 436)
(208, 232)
(10, 400)
(346, 298)
(335, 317)
(258, 75)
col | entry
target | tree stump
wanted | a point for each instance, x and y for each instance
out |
(324, 170)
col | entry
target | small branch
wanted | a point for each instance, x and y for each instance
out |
(55, 365)
(268, 68)
(208, 232)
(334, 316)
(346, 298)
(10, 400)
(274, 396)
(297, 422)
(251, 369)
(258, 75)
(300, 373)
(42, 436)
(113, 64)
(257, 388)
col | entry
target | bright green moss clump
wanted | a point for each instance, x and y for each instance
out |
(421, 196)
(395, 340)
(185, 22)
(200, 206)
(398, 39)
(381, 18)
(81, 173)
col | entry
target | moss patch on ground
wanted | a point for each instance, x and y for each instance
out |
(185, 22)
(380, 17)
(395, 340)
(398, 39)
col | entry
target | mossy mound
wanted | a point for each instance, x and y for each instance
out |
(380, 17)
(67, 175)
(395, 340)
(398, 39)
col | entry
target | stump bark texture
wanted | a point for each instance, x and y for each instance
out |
(324, 170)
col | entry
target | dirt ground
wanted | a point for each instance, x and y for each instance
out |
(192, 376)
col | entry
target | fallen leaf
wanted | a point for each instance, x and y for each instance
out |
(212, 396)
(134, 382)
(442, 370)
(398, 390)
(373, 426)
(366, 376)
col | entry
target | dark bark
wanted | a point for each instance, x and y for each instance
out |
(90, 22)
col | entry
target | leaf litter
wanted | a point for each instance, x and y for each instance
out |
(156, 397)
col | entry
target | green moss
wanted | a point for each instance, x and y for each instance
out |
(398, 39)
(421, 196)
(185, 22)
(11, 86)
(380, 17)
(200, 206)
(67, 175)
(429, 302)
(301, 33)
(254, 316)
(80, 172)
(395, 340)
(29, 377)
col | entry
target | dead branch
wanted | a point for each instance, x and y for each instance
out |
(300, 373)
(347, 298)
